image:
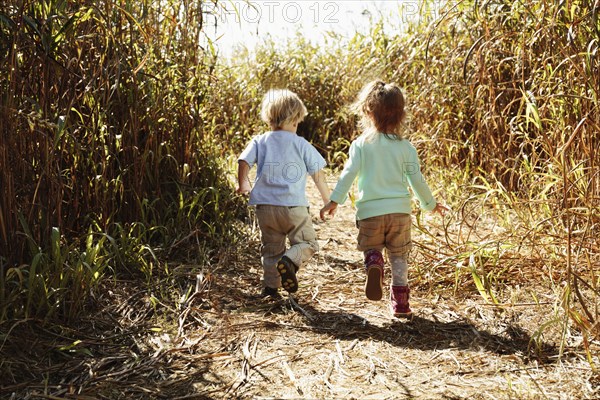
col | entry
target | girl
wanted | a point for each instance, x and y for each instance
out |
(386, 164)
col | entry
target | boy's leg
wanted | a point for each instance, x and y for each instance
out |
(273, 244)
(303, 244)
(303, 238)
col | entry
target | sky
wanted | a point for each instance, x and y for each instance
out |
(247, 23)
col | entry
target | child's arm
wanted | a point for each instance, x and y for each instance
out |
(320, 182)
(423, 193)
(329, 206)
(243, 181)
(419, 186)
(340, 193)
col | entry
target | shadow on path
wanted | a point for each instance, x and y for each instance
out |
(427, 334)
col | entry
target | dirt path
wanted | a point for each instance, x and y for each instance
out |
(329, 341)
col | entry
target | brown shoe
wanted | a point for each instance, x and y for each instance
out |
(271, 293)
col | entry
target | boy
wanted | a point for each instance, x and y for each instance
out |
(283, 161)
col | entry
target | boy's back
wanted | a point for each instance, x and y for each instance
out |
(283, 161)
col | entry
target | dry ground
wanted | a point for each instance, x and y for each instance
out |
(327, 342)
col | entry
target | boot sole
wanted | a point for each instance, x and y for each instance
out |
(288, 277)
(374, 284)
(408, 316)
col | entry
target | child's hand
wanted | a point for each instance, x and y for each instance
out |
(244, 188)
(329, 208)
(440, 209)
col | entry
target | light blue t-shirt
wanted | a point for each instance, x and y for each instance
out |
(386, 168)
(283, 160)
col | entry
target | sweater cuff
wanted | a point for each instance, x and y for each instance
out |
(429, 206)
(338, 198)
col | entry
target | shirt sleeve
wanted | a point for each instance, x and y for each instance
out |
(417, 182)
(250, 153)
(313, 159)
(351, 169)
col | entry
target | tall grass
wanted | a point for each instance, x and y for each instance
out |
(515, 102)
(105, 153)
(115, 123)
(505, 93)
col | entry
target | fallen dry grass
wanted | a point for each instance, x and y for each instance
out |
(326, 342)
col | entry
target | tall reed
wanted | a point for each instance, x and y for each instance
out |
(101, 126)
(506, 93)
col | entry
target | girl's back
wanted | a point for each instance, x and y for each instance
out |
(386, 161)
(385, 167)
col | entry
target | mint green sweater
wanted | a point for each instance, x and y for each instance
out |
(386, 168)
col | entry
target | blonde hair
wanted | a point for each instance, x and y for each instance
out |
(282, 106)
(381, 108)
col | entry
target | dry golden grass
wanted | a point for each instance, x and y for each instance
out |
(505, 289)
(328, 341)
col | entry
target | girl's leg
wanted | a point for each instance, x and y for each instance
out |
(399, 266)
(371, 240)
(398, 242)
(399, 290)
(374, 266)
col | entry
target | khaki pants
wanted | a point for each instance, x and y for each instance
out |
(390, 231)
(276, 224)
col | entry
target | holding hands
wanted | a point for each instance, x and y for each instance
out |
(329, 209)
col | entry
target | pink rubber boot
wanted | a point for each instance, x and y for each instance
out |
(399, 302)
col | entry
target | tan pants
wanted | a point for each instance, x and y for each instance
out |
(276, 224)
(390, 231)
